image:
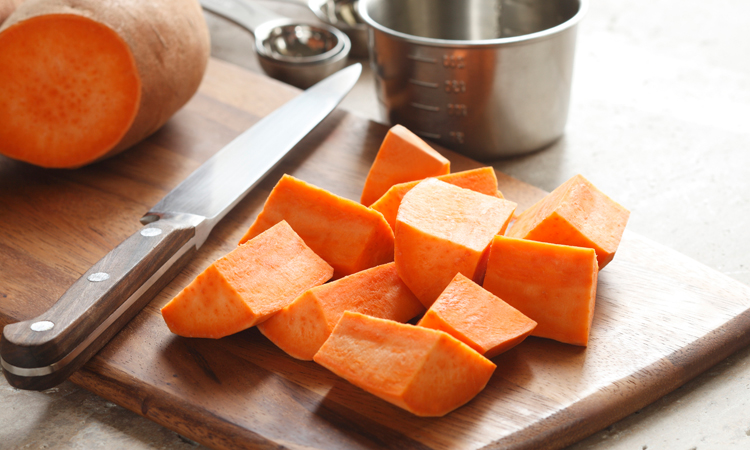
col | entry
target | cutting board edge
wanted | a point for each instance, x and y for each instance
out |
(560, 429)
(555, 432)
(170, 411)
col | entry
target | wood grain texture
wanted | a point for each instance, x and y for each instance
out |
(661, 318)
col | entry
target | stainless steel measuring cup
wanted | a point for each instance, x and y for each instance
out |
(487, 78)
(297, 53)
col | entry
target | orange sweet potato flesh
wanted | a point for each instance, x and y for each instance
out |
(426, 372)
(402, 157)
(248, 285)
(302, 327)
(481, 180)
(442, 230)
(555, 285)
(349, 236)
(82, 80)
(477, 318)
(576, 213)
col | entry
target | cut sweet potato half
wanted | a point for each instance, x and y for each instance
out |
(82, 80)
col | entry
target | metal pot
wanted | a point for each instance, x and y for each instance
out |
(487, 78)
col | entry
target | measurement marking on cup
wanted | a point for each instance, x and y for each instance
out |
(425, 107)
(454, 61)
(455, 86)
(427, 135)
(422, 59)
(457, 109)
(423, 83)
(457, 137)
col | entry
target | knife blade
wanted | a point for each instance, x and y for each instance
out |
(42, 352)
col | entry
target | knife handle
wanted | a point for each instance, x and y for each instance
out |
(42, 352)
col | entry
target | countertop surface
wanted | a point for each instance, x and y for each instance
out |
(658, 120)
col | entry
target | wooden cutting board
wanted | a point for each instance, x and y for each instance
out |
(661, 318)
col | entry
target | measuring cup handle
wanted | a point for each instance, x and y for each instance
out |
(242, 12)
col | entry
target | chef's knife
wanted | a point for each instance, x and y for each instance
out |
(42, 352)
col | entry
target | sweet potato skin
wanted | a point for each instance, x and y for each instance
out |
(170, 44)
(7, 7)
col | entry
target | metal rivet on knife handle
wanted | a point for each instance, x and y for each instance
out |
(98, 276)
(150, 232)
(42, 325)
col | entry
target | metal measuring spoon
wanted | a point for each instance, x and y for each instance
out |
(343, 14)
(297, 53)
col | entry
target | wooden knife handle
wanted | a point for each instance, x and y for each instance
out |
(42, 352)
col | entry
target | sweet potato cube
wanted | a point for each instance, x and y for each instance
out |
(426, 372)
(246, 286)
(442, 230)
(576, 213)
(477, 318)
(555, 285)
(302, 327)
(481, 180)
(402, 157)
(349, 236)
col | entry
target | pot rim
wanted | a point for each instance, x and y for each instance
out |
(539, 35)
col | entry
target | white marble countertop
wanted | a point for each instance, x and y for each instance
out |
(659, 119)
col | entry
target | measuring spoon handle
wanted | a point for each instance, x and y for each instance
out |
(243, 13)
